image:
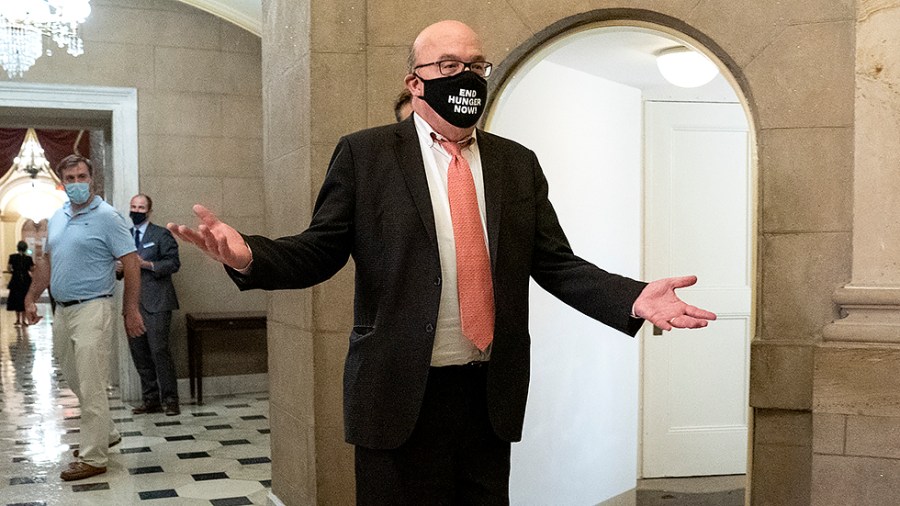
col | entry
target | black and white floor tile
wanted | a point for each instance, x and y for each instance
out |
(214, 454)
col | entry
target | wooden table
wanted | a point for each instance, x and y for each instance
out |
(198, 323)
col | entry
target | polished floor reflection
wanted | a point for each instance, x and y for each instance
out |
(215, 454)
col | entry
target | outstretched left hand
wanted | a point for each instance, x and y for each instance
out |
(659, 305)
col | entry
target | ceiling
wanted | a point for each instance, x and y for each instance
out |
(244, 13)
(626, 55)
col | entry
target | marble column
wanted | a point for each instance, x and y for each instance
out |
(314, 91)
(856, 388)
(871, 301)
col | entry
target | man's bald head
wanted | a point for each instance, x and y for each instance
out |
(440, 38)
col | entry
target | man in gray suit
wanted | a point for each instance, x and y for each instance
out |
(159, 260)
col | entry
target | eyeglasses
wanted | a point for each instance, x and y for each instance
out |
(453, 67)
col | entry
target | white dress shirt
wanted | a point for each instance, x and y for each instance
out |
(142, 228)
(450, 345)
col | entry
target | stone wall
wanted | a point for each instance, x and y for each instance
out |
(855, 402)
(340, 63)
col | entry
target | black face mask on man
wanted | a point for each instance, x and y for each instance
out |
(459, 99)
(138, 218)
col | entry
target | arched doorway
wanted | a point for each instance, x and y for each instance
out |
(29, 192)
(616, 141)
(35, 235)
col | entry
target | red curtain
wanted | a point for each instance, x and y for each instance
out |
(57, 145)
(11, 140)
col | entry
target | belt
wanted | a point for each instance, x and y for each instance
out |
(473, 365)
(465, 376)
(67, 303)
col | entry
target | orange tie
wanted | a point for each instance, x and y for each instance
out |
(473, 266)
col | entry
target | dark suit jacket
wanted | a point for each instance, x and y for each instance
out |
(157, 290)
(375, 205)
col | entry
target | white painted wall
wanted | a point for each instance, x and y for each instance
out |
(581, 429)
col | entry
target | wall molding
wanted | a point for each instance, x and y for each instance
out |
(227, 385)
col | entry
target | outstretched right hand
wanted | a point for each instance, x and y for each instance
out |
(215, 238)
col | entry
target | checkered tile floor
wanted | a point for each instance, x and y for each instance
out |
(215, 454)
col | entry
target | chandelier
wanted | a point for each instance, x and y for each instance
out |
(24, 23)
(31, 159)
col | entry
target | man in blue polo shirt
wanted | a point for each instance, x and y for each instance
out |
(85, 238)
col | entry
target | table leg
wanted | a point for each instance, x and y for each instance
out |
(191, 336)
(199, 349)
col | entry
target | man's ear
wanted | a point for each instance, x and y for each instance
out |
(414, 85)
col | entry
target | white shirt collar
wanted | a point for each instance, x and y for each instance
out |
(424, 130)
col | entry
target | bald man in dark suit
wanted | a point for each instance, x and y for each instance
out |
(151, 352)
(437, 214)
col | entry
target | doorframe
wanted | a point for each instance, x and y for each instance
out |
(121, 104)
(731, 71)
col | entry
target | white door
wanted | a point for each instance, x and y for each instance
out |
(698, 221)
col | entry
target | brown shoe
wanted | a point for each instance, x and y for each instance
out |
(147, 408)
(172, 409)
(75, 453)
(80, 471)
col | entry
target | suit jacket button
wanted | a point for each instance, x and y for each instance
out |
(429, 328)
(437, 281)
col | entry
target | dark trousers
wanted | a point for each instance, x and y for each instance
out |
(153, 360)
(453, 456)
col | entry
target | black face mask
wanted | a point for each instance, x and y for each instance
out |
(459, 99)
(137, 218)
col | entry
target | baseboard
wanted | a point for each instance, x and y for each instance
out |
(274, 500)
(226, 385)
(627, 498)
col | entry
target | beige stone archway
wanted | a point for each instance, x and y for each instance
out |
(333, 67)
(618, 17)
(512, 71)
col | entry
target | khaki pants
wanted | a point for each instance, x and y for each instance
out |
(82, 340)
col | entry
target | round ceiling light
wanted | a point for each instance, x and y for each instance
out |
(685, 67)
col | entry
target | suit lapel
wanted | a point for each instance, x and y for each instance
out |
(409, 157)
(492, 171)
(149, 234)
